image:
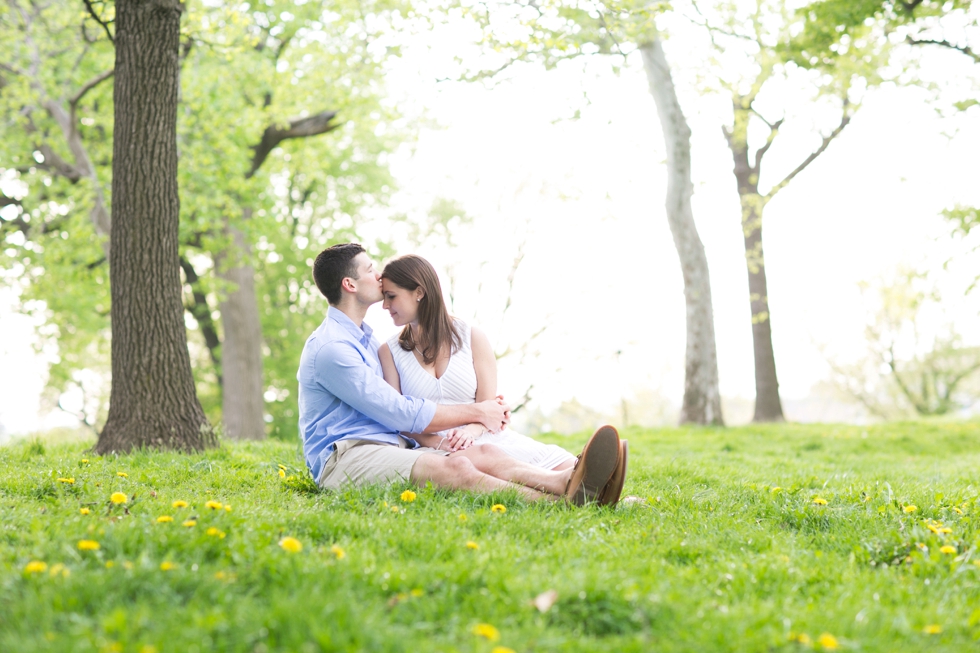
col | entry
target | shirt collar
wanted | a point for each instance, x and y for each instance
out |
(363, 333)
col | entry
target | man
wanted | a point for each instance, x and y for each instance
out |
(352, 421)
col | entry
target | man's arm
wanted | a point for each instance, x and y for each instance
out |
(340, 369)
(493, 414)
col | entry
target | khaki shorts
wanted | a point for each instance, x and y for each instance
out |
(363, 462)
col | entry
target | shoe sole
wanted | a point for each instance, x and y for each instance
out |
(614, 489)
(598, 462)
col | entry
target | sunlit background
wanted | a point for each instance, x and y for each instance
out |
(564, 171)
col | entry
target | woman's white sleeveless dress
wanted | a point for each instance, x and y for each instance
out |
(457, 385)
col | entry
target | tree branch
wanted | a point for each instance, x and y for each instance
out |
(964, 49)
(59, 165)
(773, 132)
(89, 85)
(12, 69)
(7, 201)
(98, 19)
(845, 119)
(202, 313)
(320, 123)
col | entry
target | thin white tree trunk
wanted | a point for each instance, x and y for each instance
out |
(702, 400)
(83, 167)
(241, 351)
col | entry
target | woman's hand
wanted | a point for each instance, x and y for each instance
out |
(463, 438)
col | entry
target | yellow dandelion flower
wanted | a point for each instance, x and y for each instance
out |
(213, 505)
(84, 511)
(118, 497)
(227, 508)
(88, 545)
(802, 638)
(337, 551)
(828, 642)
(486, 631)
(127, 564)
(933, 528)
(281, 466)
(948, 549)
(190, 523)
(84, 461)
(164, 519)
(408, 496)
(776, 490)
(179, 504)
(462, 517)
(958, 511)
(35, 567)
(395, 509)
(214, 532)
(69, 481)
(166, 565)
(282, 473)
(499, 507)
(945, 530)
(932, 629)
(221, 575)
(60, 570)
(502, 649)
(149, 648)
(110, 564)
(291, 544)
(909, 509)
(417, 592)
(472, 545)
(820, 501)
(122, 474)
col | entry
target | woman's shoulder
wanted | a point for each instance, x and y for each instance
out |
(463, 328)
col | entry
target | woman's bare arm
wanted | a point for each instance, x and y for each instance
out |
(388, 367)
(485, 364)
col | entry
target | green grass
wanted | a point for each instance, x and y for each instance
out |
(714, 559)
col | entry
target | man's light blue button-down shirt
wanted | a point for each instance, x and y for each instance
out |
(343, 394)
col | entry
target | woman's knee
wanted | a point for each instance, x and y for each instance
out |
(486, 450)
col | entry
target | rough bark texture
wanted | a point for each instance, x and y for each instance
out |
(241, 352)
(153, 401)
(702, 400)
(768, 407)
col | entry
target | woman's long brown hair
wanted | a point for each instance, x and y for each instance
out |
(435, 327)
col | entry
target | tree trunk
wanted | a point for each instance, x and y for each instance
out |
(702, 400)
(153, 401)
(241, 352)
(768, 407)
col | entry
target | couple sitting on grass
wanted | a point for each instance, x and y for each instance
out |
(423, 406)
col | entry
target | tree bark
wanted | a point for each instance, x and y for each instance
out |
(702, 399)
(153, 402)
(768, 407)
(241, 400)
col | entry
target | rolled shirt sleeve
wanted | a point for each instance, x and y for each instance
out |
(341, 370)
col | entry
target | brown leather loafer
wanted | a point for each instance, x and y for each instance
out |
(595, 467)
(609, 496)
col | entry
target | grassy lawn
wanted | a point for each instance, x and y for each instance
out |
(732, 549)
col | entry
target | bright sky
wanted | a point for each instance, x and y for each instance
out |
(600, 267)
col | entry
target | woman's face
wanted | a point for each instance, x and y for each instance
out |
(401, 304)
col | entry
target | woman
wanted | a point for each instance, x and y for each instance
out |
(444, 359)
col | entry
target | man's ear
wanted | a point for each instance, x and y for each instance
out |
(348, 284)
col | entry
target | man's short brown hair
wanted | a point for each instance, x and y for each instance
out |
(332, 266)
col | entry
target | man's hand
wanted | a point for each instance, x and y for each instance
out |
(500, 400)
(495, 414)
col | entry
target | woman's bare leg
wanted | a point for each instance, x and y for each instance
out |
(458, 472)
(491, 460)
